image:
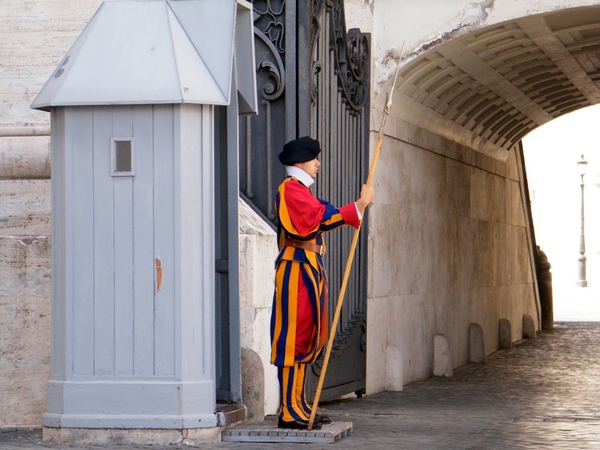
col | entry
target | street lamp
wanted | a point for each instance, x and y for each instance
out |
(581, 281)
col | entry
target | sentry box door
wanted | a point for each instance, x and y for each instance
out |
(122, 177)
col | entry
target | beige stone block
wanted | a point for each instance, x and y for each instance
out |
(515, 213)
(502, 260)
(512, 166)
(25, 207)
(457, 189)
(359, 14)
(463, 245)
(478, 194)
(436, 253)
(257, 256)
(487, 196)
(497, 200)
(258, 250)
(412, 332)
(32, 43)
(457, 316)
(393, 369)
(390, 173)
(25, 157)
(398, 251)
(25, 289)
(377, 344)
(484, 265)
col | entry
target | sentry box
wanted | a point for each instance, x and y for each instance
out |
(133, 123)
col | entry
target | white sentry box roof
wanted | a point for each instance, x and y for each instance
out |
(155, 52)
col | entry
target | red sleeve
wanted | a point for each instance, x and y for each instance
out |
(305, 210)
(349, 213)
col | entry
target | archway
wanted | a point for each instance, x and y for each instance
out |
(492, 87)
(460, 250)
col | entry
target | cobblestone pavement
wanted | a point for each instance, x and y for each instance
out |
(543, 393)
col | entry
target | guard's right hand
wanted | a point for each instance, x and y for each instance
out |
(367, 193)
(366, 196)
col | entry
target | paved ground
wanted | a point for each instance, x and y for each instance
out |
(576, 304)
(543, 393)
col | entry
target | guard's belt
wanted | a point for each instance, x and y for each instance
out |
(320, 249)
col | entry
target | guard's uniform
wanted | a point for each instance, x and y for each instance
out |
(299, 316)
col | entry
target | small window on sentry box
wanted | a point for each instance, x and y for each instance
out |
(122, 157)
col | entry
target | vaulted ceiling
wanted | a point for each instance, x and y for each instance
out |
(489, 88)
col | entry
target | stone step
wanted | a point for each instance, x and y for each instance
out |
(228, 414)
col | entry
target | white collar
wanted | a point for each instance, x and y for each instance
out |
(302, 176)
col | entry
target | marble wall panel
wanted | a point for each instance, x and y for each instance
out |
(377, 339)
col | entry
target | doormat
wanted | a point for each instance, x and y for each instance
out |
(267, 431)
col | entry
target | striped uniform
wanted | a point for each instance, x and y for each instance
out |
(299, 316)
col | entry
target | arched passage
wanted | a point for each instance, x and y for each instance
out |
(451, 236)
(489, 88)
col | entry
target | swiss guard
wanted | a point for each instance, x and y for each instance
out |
(299, 315)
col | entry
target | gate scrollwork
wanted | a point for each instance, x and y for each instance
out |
(269, 26)
(351, 50)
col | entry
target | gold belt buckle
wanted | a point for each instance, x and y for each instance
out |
(322, 252)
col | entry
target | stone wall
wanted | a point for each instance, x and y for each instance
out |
(448, 247)
(34, 37)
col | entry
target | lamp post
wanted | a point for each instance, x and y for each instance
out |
(581, 281)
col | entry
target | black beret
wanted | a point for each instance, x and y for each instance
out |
(299, 150)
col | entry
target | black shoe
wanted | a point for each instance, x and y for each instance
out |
(297, 425)
(322, 419)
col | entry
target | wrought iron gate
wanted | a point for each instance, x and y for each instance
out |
(313, 79)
